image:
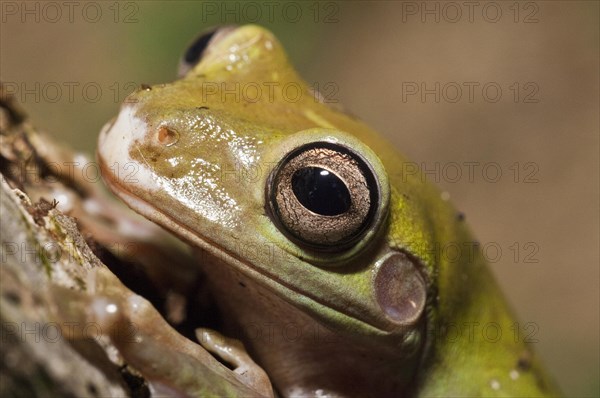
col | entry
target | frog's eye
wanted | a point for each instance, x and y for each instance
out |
(194, 51)
(323, 195)
(197, 48)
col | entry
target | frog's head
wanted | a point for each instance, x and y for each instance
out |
(242, 159)
(307, 215)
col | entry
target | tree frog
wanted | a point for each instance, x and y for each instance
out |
(323, 256)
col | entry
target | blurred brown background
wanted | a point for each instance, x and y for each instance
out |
(532, 114)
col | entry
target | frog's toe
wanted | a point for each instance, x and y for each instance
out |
(233, 352)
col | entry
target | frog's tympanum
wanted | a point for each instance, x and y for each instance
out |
(323, 257)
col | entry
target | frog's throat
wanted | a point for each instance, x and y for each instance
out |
(322, 312)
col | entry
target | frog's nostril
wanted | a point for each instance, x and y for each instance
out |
(167, 136)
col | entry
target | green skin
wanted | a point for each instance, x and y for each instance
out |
(205, 178)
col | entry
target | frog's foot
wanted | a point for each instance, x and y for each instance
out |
(172, 364)
(233, 353)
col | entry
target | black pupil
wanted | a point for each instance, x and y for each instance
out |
(193, 53)
(321, 191)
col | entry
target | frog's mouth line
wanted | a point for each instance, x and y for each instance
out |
(279, 287)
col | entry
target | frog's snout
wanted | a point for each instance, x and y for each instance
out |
(107, 126)
(117, 137)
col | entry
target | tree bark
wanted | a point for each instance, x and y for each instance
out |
(42, 249)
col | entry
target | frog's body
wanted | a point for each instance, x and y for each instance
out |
(199, 156)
